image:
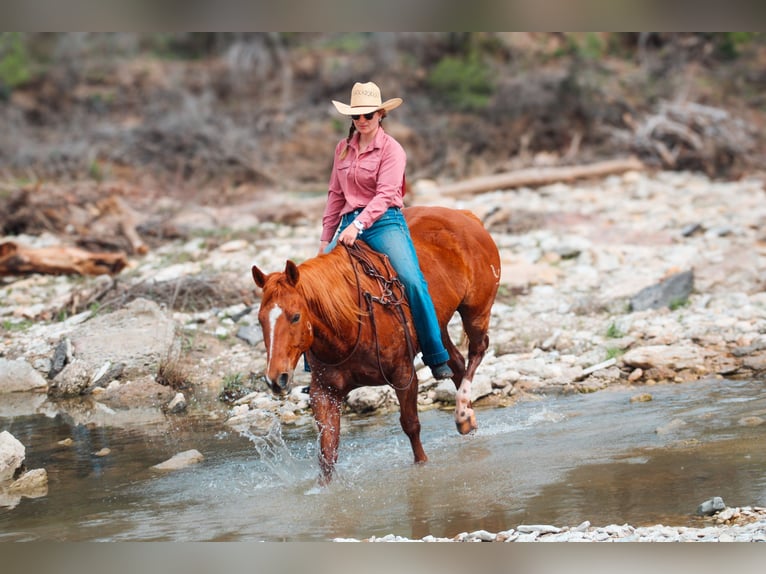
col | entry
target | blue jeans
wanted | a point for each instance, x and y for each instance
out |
(390, 235)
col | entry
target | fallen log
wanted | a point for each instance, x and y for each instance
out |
(533, 177)
(16, 259)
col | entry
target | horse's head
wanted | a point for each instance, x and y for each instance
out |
(284, 318)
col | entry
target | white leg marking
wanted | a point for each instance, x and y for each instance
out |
(463, 399)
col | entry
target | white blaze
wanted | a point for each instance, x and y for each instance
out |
(274, 314)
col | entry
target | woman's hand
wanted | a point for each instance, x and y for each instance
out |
(322, 246)
(348, 235)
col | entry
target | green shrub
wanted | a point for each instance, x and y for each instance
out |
(464, 83)
(14, 61)
(731, 44)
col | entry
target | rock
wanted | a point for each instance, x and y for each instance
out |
(61, 356)
(140, 392)
(642, 398)
(672, 291)
(673, 425)
(445, 392)
(752, 421)
(139, 336)
(181, 460)
(674, 357)
(756, 362)
(12, 454)
(79, 377)
(481, 386)
(245, 420)
(711, 506)
(19, 376)
(177, 405)
(368, 399)
(538, 528)
(33, 484)
(481, 535)
(251, 334)
(73, 380)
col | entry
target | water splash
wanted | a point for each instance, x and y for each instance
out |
(264, 431)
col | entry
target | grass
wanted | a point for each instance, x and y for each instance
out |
(614, 353)
(172, 374)
(235, 386)
(676, 304)
(614, 332)
(16, 326)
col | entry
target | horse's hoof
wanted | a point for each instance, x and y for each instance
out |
(466, 426)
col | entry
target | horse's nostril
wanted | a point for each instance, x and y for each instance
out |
(283, 380)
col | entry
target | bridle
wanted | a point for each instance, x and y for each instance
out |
(392, 295)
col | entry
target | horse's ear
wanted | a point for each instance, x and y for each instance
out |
(292, 273)
(258, 277)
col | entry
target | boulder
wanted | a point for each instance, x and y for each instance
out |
(671, 291)
(140, 337)
(20, 376)
(12, 454)
(669, 356)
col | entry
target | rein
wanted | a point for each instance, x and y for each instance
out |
(392, 295)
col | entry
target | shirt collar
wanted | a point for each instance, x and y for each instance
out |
(376, 143)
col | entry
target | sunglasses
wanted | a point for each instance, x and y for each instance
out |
(366, 116)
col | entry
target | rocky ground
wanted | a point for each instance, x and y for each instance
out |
(729, 525)
(636, 279)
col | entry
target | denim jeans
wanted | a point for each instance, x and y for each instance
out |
(390, 235)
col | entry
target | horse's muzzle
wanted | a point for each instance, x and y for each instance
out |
(281, 385)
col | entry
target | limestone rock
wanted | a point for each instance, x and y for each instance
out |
(181, 460)
(12, 454)
(20, 376)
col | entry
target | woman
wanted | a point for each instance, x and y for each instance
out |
(365, 198)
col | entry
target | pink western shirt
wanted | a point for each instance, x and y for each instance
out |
(371, 181)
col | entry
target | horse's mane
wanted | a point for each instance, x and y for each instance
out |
(329, 285)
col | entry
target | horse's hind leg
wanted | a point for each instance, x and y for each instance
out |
(408, 418)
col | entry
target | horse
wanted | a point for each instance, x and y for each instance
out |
(345, 312)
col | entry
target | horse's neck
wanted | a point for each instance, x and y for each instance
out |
(329, 343)
(334, 335)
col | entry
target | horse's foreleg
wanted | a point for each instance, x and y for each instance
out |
(408, 418)
(465, 419)
(326, 409)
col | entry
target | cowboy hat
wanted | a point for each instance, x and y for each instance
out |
(365, 98)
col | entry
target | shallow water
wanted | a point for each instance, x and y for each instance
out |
(559, 460)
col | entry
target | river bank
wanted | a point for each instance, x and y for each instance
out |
(575, 256)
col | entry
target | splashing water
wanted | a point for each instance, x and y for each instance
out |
(264, 431)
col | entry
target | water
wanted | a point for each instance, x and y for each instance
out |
(559, 460)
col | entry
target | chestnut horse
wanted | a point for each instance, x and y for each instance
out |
(355, 329)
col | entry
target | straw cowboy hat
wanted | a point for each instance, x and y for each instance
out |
(365, 98)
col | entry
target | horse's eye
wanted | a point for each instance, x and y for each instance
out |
(295, 318)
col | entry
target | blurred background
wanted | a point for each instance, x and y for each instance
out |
(226, 110)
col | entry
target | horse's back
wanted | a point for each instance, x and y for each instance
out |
(457, 254)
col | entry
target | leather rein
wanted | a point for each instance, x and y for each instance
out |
(392, 295)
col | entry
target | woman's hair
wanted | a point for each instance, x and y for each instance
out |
(352, 129)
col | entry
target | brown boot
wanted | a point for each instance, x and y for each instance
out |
(442, 371)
